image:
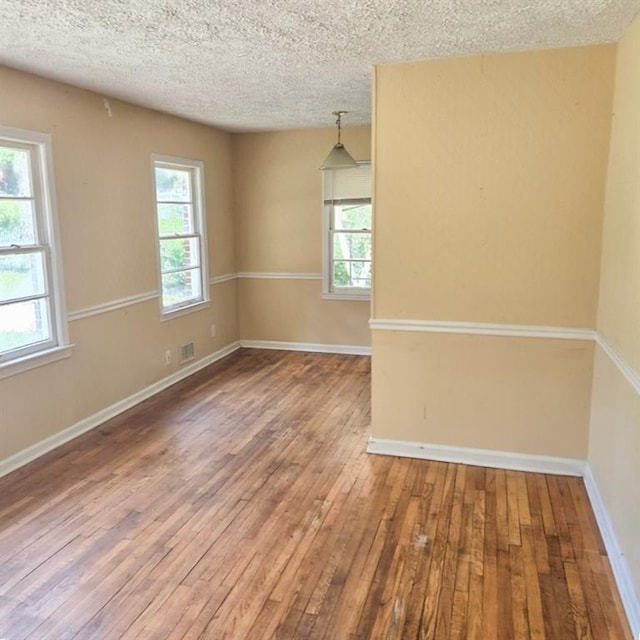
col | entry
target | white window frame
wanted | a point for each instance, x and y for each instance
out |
(330, 292)
(48, 243)
(196, 172)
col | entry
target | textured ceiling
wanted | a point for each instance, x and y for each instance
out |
(276, 64)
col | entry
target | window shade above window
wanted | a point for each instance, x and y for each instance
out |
(348, 184)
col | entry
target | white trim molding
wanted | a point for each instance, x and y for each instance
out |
(631, 375)
(484, 329)
(224, 278)
(167, 316)
(120, 303)
(37, 146)
(512, 330)
(193, 171)
(477, 457)
(112, 306)
(272, 275)
(35, 360)
(91, 422)
(619, 566)
(350, 297)
(352, 350)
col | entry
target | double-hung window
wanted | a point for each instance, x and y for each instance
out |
(32, 316)
(182, 246)
(347, 232)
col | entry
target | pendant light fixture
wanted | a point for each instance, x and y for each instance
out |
(339, 157)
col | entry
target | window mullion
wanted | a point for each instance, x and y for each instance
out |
(18, 198)
(10, 301)
(181, 236)
(21, 249)
(165, 272)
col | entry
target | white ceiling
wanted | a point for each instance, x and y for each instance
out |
(276, 64)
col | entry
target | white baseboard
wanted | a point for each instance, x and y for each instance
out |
(352, 350)
(91, 422)
(621, 572)
(477, 457)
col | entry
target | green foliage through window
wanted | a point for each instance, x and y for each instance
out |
(351, 245)
(179, 239)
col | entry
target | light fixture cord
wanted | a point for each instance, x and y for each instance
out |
(339, 126)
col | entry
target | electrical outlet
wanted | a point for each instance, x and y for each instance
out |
(166, 358)
(213, 330)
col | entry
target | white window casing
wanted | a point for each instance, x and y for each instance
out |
(346, 200)
(33, 324)
(181, 238)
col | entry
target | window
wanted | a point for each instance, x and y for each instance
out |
(32, 317)
(347, 232)
(182, 246)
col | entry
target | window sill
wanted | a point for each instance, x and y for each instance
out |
(183, 311)
(34, 360)
(358, 297)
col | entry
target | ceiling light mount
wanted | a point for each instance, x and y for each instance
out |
(339, 157)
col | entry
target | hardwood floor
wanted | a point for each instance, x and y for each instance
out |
(240, 504)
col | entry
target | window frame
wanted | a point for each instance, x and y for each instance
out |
(329, 291)
(47, 243)
(195, 168)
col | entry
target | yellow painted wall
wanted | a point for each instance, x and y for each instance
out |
(490, 186)
(614, 447)
(619, 305)
(294, 311)
(278, 205)
(489, 192)
(105, 203)
(527, 395)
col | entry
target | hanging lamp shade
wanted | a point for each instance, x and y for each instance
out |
(339, 157)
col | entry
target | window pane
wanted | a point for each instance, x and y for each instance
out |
(15, 174)
(21, 275)
(175, 218)
(181, 287)
(179, 253)
(352, 273)
(352, 216)
(16, 222)
(24, 323)
(173, 185)
(352, 246)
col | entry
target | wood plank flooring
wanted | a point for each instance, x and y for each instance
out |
(240, 504)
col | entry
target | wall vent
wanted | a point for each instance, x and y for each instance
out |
(187, 352)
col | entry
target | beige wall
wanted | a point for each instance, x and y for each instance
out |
(619, 305)
(489, 187)
(489, 191)
(614, 447)
(278, 204)
(104, 191)
(614, 455)
(483, 392)
(294, 311)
